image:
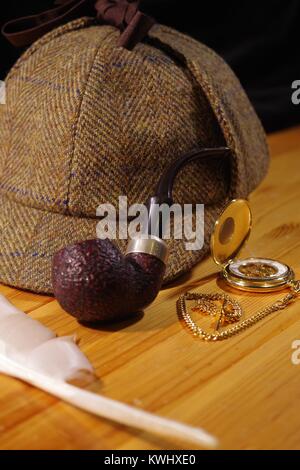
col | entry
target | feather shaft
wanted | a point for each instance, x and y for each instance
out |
(109, 408)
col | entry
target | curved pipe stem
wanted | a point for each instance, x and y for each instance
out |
(165, 186)
(164, 191)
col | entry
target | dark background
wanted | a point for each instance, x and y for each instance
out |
(258, 39)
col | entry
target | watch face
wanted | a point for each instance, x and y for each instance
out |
(258, 274)
(258, 269)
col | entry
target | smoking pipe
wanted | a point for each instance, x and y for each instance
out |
(94, 282)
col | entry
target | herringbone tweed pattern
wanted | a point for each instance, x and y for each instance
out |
(86, 122)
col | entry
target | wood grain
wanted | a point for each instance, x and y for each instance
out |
(244, 390)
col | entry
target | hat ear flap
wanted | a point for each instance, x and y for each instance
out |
(241, 128)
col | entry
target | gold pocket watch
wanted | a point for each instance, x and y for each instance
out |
(230, 234)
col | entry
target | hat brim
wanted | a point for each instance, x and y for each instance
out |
(30, 237)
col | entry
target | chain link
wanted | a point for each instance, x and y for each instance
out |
(238, 328)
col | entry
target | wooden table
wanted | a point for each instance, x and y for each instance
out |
(245, 390)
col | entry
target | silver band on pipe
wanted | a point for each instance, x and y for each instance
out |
(153, 246)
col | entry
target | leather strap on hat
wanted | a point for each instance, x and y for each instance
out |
(126, 16)
(123, 14)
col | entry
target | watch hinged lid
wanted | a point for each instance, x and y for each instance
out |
(231, 232)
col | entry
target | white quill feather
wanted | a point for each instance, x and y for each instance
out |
(32, 353)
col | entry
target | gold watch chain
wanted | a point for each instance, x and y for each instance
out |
(243, 325)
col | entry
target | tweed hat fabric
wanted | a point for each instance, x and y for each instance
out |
(86, 121)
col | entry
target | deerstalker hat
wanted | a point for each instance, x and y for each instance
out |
(86, 121)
